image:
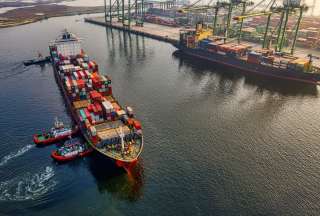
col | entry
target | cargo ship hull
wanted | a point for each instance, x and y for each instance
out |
(117, 156)
(77, 121)
(239, 64)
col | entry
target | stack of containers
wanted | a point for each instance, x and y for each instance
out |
(92, 66)
(95, 96)
(102, 84)
(95, 112)
(108, 110)
(254, 57)
(93, 133)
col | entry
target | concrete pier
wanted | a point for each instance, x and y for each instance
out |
(158, 32)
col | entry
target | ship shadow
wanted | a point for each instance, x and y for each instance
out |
(201, 67)
(122, 184)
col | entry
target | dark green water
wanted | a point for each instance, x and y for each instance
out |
(216, 142)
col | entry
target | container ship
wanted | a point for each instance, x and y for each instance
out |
(202, 42)
(109, 129)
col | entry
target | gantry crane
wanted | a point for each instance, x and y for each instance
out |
(285, 10)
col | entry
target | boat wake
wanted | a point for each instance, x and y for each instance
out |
(9, 69)
(13, 155)
(13, 73)
(29, 187)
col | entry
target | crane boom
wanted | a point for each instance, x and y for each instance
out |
(239, 18)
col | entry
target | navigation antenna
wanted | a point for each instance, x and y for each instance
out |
(121, 134)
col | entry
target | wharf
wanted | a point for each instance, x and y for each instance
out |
(155, 31)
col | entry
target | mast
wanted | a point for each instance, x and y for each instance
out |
(122, 141)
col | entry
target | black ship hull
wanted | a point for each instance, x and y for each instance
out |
(242, 65)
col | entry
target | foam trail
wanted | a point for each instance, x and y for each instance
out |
(6, 76)
(13, 155)
(29, 187)
(14, 67)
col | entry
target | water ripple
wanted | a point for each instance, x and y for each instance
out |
(29, 187)
(13, 155)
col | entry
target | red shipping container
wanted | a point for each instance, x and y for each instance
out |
(90, 107)
(95, 95)
(87, 74)
(130, 121)
(94, 109)
(98, 108)
(110, 90)
(79, 74)
(81, 84)
(88, 114)
(136, 124)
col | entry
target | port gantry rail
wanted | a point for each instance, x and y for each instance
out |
(121, 10)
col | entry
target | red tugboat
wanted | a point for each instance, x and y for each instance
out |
(57, 133)
(71, 150)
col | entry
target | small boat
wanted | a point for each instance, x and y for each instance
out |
(39, 60)
(71, 150)
(57, 133)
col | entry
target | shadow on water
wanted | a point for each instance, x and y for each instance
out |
(287, 88)
(128, 46)
(124, 185)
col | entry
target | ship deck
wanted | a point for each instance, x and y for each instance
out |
(130, 154)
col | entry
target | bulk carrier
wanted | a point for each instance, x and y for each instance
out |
(202, 42)
(108, 128)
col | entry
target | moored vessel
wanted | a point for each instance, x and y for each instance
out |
(214, 45)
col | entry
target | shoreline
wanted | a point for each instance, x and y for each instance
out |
(23, 16)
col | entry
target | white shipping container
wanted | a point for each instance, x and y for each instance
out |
(75, 75)
(82, 74)
(107, 106)
(129, 110)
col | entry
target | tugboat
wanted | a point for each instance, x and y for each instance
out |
(57, 133)
(71, 150)
(39, 60)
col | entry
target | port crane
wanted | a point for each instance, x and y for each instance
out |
(127, 11)
(289, 7)
(226, 6)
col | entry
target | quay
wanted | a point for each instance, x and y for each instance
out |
(159, 32)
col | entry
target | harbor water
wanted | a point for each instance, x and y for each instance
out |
(217, 142)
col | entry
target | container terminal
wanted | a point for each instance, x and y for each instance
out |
(218, 32)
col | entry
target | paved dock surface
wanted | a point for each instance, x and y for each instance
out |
(159, 32)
